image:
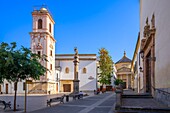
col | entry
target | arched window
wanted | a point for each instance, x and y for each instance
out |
(40, 24)
(84, 70)
(50, 27)
(67, 70)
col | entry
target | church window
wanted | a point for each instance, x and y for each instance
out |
(39, 53)
(84, 70)
(67, 70)
(51, 67)
(50, 27)
(51, 53)
(40, 24)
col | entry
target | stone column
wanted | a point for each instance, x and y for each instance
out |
(76, 80)
(127, 81)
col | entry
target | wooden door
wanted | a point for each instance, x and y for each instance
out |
(67, 87)
(148, 73)
(6, 88)
(57, 87)
(124, 85)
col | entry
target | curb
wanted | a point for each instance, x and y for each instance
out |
(143, 108)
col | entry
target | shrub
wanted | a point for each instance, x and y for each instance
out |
(118, 81)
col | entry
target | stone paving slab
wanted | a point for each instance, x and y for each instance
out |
(100, 110)
(96, 97)
(85, 105)
(86, 102)
(108, 103)
(125, 111)
(60, 109)
(142, 103)
(33, 102)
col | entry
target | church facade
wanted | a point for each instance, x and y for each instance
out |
(60, 77)
(124, 73)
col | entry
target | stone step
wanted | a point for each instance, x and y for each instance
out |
(143, 109)
(136, 96)
(138, 111)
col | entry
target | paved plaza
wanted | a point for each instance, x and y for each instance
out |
(102, 103)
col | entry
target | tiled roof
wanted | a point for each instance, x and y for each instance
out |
(124, 59)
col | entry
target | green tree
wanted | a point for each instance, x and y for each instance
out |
(19, 64)
(118, 81)
(105, 66)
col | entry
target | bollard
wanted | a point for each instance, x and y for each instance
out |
(67, 98)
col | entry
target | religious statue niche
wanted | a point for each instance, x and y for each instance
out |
(146, 32)
(153, 21)
(39, 45)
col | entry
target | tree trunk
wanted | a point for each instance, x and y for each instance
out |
(15, 96)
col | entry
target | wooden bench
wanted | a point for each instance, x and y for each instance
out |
(5, 104)
(57, 99)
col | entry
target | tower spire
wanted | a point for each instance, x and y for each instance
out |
(124, 53)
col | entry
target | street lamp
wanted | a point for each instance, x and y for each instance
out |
(140, 69)
(142, 54)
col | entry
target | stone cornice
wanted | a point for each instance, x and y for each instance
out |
(67, 59)
(42, 33)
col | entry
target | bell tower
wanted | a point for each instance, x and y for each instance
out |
(43, 43)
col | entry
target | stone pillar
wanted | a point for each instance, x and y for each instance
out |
(118, 99)
(121, 76)
(76, 80)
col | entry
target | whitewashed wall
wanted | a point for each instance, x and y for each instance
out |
(160, 8)
(85, 82)
(11, 87)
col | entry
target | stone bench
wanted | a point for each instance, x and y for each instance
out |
(5, 104)
(78, 96)
(96, 92)
(57, 99)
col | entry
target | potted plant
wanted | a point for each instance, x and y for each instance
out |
(118, 83)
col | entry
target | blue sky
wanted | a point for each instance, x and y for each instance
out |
(86, 24)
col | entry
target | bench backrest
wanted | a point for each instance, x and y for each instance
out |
(57, 98)
(2, 102)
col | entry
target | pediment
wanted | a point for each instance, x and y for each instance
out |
(124, 69)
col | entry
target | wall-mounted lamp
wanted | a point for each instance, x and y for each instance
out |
(142, 54)
(150, 58)
(140, 69)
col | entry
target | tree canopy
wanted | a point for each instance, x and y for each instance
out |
(19, 64)
(105, 66)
